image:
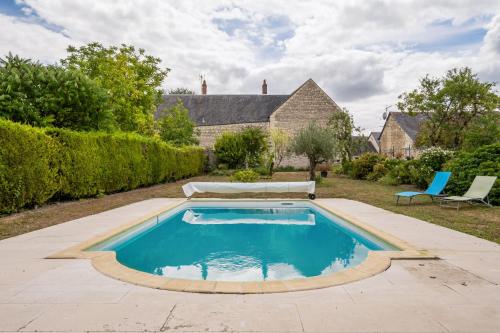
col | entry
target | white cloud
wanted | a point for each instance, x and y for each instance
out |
(363, 53)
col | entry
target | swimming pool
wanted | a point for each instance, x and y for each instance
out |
(243, 241)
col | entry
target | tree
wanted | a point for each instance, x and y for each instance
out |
(41, 95)
(177, 128)
(279, 148)
(317, 144)
(450, 105)
(181, 91)
(342, 126)
(482, 131)
(131, 77)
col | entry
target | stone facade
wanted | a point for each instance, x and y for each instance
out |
(308, 103)
(208, 134)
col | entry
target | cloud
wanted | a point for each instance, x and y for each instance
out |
(363, 53)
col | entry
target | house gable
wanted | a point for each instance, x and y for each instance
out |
(307, 103)
(398, 134)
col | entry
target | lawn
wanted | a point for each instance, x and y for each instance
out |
(478, 221)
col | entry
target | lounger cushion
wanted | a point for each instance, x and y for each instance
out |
(408, 194)
(457, 198)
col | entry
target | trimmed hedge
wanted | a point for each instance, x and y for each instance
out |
(28, 166)
(37, 165)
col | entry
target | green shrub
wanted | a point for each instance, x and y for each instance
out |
(245, 176)
(28, 166)
(361, 167)
(37, 165)
(40, 95)
(241, 149)
(378, 172)
(229, 149)
(255, 143)
(389, 179)
(427, 163)
(485, 161)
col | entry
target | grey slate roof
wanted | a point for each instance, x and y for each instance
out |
(362, 145)
(376, 135)
(409, 124)
(206, 110)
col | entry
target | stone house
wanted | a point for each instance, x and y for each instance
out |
(398, 135)
(214, 114)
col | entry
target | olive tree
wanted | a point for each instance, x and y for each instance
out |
(279, 147)
(317, 144)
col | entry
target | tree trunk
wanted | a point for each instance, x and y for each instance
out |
(312, 170)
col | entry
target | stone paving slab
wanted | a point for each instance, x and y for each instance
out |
(460, 293)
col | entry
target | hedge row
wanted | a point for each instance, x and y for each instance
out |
(37, 165)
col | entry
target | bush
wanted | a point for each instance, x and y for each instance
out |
(485, 161)
(37, 165)
(39, 95)
(229, 149)
(363, 166)
(378, 172)
(427, 163)
(28, 166)
(241, 149)
(245, 176)
(389, 179)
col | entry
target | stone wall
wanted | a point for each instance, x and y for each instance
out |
(308, 103)
(208, 134)
(395, 142)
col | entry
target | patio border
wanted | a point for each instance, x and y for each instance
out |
(376, 262)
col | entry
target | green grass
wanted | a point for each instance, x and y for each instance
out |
(478, 221)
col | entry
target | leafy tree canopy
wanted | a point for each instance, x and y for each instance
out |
(181, 91)
(317, 143)
(343, 128)
(131, 77)
(177, 128)
(41, 95)
(451, 105)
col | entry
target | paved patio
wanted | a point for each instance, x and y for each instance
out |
(459, 293)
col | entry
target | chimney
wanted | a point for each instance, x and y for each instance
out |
(204, 88)
(264, 87)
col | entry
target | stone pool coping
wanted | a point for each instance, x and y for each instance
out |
(376, 262)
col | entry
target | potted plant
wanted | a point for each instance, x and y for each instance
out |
(324, 168)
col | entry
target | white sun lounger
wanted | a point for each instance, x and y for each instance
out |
(268, 187)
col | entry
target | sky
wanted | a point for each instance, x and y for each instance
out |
(363, 53)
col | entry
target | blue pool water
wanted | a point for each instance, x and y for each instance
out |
(244, 244)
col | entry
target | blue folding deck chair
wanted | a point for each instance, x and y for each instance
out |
(437, 186)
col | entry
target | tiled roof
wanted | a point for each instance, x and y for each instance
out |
(207, 110)
(410, 124)
(376, 135)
